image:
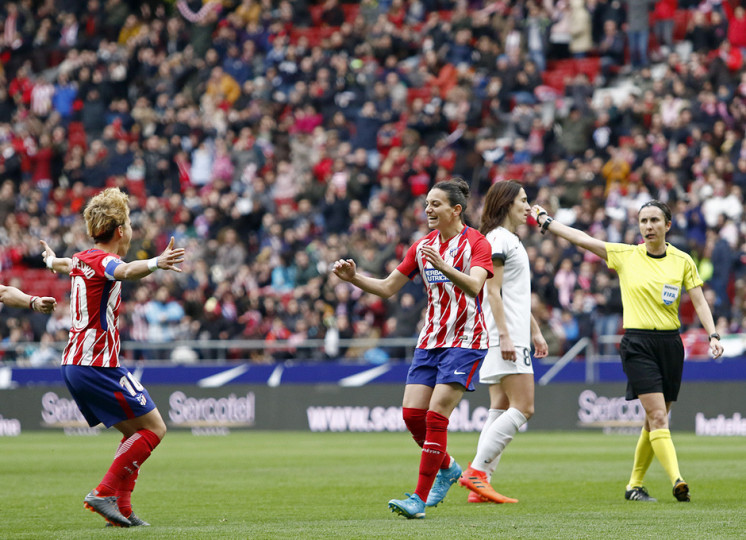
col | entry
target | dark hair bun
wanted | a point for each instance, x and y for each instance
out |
(463, 186)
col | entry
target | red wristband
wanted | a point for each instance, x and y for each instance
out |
(31, 303)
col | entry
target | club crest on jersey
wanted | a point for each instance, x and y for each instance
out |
(669, 294)
(435, 276)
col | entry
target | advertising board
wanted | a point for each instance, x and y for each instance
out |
(705, 408)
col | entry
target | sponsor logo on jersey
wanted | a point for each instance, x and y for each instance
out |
(435, 276)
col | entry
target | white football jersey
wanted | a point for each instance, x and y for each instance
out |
(516, 289)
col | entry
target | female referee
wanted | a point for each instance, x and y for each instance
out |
(454, 262)
(651, 277)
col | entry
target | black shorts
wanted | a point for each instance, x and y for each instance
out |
(653, 361)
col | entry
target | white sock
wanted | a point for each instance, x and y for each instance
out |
(493, 441)
(493, 415)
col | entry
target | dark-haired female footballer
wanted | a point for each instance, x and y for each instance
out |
(454, 262)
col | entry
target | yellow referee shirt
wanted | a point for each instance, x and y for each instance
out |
(651, 286)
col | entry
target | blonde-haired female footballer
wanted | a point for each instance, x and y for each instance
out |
(454, 262)
(651, 277)
(105, 391)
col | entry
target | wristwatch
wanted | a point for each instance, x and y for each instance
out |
(715, 335)
(545, 226)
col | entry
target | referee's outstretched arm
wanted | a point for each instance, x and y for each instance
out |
(575, 236)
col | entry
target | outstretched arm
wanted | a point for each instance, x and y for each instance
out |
(705, 317)
(58, 265)
(167, 260)
(13, 297)
(346, 270)
(575, 236)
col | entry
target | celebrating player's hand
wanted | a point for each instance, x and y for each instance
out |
(47, 253)
(171, 257)
(54, 263)
(44, 304)
(345, 269)
(433, 257)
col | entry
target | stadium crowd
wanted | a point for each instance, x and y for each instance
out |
(273, 138)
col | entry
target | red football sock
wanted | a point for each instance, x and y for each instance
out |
(124, 493)
(416, 422)
(433, 452)
(130, 455)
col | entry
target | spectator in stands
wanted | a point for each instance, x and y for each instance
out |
(736, 17)
(576, 132)
(611, 49)
(607, 314)
(581, 38)
(163, 315)
(664, 13)
(560, 31)
(698, 32)
(46, 354)
(222, 88)
(638, 30)
(332, 13)
(152, 90)
(722, 259)
(535, 34)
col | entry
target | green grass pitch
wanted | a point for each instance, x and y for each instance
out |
(336, 485)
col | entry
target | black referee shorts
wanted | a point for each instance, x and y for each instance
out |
(653, 361)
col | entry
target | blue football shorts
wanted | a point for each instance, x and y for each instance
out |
(107, 395)
(445, 365)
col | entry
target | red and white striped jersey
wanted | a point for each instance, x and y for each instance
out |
(454, 319)
(94, 306)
